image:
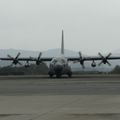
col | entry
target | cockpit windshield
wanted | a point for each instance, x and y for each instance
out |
(61, 60)
(54, 60)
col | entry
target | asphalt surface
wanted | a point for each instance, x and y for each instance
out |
(84, 97)
(42, 85)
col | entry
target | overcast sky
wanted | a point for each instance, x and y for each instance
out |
(89, 25)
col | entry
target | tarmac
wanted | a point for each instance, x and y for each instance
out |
(83, 97)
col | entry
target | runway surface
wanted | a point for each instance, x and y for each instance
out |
(42, 85)
(85, 97)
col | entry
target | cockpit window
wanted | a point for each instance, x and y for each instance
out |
(63, 61)
(54, 61)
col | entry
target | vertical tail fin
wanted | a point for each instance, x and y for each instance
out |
(62, 44)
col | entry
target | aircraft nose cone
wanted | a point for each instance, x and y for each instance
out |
(58, 68)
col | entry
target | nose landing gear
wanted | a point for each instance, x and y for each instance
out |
(70, 74)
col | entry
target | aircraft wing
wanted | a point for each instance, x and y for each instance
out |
(91, 58)
(103, 59)
(27, 59)
(17, 60)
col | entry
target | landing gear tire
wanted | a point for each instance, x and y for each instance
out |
(58, 76)
(51, 75)
(70, 75)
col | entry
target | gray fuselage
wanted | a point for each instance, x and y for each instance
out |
(59, 66)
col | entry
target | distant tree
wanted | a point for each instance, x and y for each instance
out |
(116, 70)
(32, 70)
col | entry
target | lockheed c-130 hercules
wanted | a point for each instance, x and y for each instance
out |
(60, 65)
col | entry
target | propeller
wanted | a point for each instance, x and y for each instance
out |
(38, 61)
(81, 60)
(104, 59)
(15, 60)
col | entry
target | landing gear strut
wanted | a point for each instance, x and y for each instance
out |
(69, 75)
(58, 75)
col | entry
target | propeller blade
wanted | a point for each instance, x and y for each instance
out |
(100, 55)
(10, 57)
(38, 59)
(81, 60)
(19, 63)
(109, 55)
(108, 63)
(40, 54)
(80, 54)
(17, 55)
(100, 63)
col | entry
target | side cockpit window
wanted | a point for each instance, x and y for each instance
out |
(54, 61)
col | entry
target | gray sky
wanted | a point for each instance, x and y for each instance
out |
(89, 25)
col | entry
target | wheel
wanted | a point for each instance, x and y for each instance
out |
(51, 75)
(70, 75)
(58, 76)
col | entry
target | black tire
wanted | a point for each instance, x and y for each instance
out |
(70, 75)
(58, 76)
(51, 75)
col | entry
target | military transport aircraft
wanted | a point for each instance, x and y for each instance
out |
(59, 65)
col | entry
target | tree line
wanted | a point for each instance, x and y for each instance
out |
(21, 70)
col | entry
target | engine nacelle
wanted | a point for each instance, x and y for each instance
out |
(27, 64)
(93, 64)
